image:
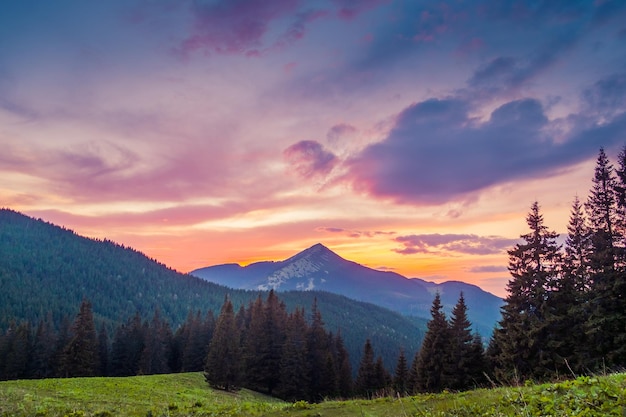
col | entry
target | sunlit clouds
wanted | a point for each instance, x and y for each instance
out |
(405, 135)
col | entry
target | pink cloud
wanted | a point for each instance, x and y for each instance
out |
(234, 26)
(349, 9)
(309, 159)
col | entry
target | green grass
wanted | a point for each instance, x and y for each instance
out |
(153, 395)
(584, 396)
(188, 395)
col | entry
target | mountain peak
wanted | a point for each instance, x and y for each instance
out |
(317, 251)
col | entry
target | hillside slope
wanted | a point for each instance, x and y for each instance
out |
(45, 269)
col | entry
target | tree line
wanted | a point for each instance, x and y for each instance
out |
(565, 312)
(261, 347)
(267, 350)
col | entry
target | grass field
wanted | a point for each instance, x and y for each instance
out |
(189, 395)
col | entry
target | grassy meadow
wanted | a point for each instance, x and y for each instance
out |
(188, 395)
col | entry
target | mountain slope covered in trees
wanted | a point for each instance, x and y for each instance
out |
(46, 270)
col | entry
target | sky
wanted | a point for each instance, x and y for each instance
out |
(405, 135)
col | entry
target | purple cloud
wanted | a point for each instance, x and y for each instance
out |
(354, 233)
(309, 159)
(338, 131)
(488, 269)
(349, 9)
(437, 152)
(460, 243)
(234, 26)
(607, 95)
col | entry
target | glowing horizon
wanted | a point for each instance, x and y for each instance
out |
(404, 135)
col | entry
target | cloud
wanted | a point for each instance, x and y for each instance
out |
(469, 244)
(437, 152)
(488, 269)
(349, 9)
(608, 95)
(354, 233)
(309, 159)
(234, 26)
(338, 131)
(252, 27)
(506, 73)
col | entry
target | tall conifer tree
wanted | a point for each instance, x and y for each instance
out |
(80, 355)
(365, 383)
(522, 334)
(606, 326)
(294, 371)
(223, 366)
(457, 366)
(429, 364)
(401, 375)
(567, 300)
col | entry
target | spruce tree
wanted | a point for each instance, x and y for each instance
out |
(522, 335)
(477, 363)
(429, 363)
(42, 360)
(317, 349)
(606, 326)
(103, 351)
(265, 339)
(128, 345)
(294, 371)
(18, 351)
(156, 351)
(344, 369)
(382, 378)
(457, 366)
(401, 375)
(80, 355)
(567, 300)
(365, 383)
(196, 343)
(222, 367)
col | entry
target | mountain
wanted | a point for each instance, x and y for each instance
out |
(319, 268)
(47, 270)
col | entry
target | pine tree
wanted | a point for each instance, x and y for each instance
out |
(329, 387)
(457, 372)
(365, 384)
(80, 355)
(522, 335)
(317, 349)
(429, 363)
(265, 339)
(128, 344)
(195, 344)
(42, 361)
(401, 375)
(567, 300)
(18, 351)
(477, 362)
(344, 369)
(156, 351)
(294, 371)
(607, 321)
(222, 368)
(103, 351)
(382, 378)
(620, 196)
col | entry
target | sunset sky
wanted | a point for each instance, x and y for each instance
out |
(404, 135)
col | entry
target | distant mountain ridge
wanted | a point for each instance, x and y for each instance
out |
(319, 268)
(47, 270)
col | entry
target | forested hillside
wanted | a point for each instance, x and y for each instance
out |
(46, 271)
